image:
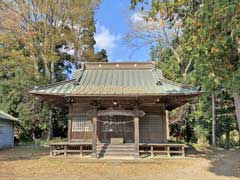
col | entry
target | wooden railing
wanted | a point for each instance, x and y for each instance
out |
(169, 149)
(70, 147)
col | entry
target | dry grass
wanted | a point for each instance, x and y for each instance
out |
(35, 163)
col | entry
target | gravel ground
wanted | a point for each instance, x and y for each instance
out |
(35, 163)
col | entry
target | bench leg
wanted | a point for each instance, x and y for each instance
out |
(183, 151)
(152, 153)
(81, 150)
(168, 151)
(65, 150)
(51, 153)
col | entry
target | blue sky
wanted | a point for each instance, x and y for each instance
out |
(112, 24)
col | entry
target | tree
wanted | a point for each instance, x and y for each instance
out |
(101, 56)
(213, 32)
(44, 26)
(32, 34)
(210, 46)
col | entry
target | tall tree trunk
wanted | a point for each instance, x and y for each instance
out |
(174, 51)
(213, 121)
(50, 126)
(236, 98)
(46, 67)
(53, 72)
(33, 136)
(35, 63)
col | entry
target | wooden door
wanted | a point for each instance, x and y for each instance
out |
(116, 127)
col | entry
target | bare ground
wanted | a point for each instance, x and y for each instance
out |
(35, 163)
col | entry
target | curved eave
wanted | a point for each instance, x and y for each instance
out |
(118, 95)
(33, 91)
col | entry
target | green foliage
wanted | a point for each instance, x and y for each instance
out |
(234, 139)
(31, 34)
(101, 56)
(201, 134)
(166, 62)
(209, 58)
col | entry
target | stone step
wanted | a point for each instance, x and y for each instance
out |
(116, 146)
(119, 150)
(123, 148)
(116, 154)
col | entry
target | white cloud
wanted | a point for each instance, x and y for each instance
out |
(137, 18)
(139, 22)
(105, 39)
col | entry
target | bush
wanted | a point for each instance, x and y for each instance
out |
(233, 139)
(201, 134)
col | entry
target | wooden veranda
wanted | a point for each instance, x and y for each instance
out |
(85, 149)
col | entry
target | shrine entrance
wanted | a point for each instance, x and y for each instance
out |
(116, 129)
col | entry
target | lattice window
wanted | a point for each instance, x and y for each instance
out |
(81, 124)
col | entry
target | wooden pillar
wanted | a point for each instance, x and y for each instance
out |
(167, 126)
(69, 129)
(94, 137)
(70, 122)
(213, 121)
(136, 135)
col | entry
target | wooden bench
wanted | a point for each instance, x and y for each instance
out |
(70, 147)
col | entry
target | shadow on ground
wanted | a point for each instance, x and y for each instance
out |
(29, 152)
(223, 162)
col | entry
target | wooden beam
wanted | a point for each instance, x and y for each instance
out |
(112, 112)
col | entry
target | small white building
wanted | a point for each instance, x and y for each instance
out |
(6, 130)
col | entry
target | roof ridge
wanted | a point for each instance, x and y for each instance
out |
(117, 65)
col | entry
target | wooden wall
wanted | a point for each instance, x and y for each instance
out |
(76, 110)
(152, 127)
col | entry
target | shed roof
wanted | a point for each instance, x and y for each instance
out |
(6, 116)
(116, 79)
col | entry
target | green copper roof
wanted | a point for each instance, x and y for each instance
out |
(116, 79)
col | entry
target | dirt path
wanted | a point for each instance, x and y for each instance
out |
(29, 163)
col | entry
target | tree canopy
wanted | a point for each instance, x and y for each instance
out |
(205, 53)
(37, 38)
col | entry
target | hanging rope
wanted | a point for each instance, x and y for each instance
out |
(114, 122)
